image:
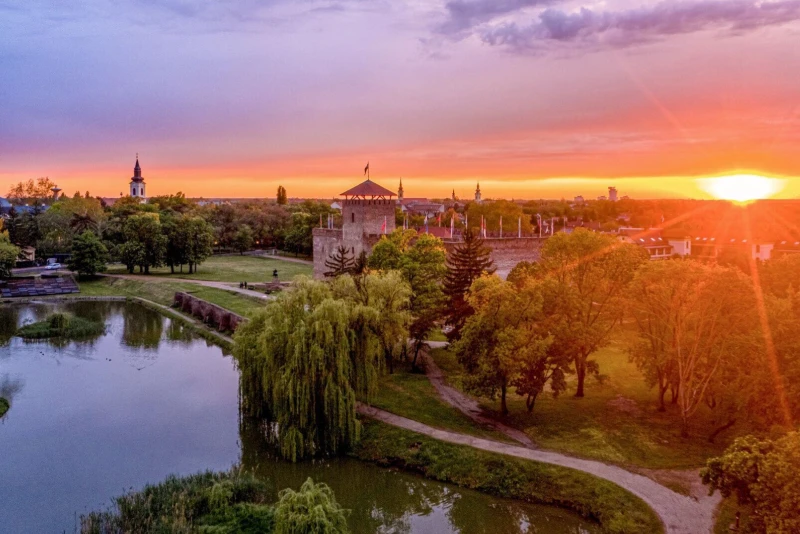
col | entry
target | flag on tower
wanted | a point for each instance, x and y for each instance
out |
(366, 170)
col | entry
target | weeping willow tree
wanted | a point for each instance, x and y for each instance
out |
(309, 356)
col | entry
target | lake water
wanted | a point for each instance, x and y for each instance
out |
(92, 419)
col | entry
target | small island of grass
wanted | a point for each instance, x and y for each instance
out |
(4, 406)
(62, 325)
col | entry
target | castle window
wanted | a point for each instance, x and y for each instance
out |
(353, 217)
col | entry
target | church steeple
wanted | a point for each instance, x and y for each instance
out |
(137, 181)
(400, 191)
(478, 193)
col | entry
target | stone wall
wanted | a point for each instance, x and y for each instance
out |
(507, 252)
(327, 241)
(211, 314)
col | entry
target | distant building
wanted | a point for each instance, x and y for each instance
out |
(612, 194)
(137, 182)
(478, 194)
(651, 240)
(602, 197)
(579, 200)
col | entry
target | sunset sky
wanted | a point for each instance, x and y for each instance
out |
(533, 98)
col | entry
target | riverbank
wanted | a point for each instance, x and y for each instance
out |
(615, 509)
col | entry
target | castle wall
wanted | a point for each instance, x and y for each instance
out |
(507, 252)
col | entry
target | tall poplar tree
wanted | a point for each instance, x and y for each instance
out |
(465, 264)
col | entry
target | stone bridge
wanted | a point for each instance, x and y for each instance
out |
(211, 314)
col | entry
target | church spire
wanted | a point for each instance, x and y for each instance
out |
(137, 170)
(478, 193)
(400, 191)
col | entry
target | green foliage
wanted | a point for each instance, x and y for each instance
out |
(308, 356)
(502, 344)
(31, 191)
(211, 503)
(144, 243)
(89, 255)
(470, 260)
(593, 498)
(585, 275)
(281, 196)
(762, 475)
(4, 406)
(492, 212)
(8, 255)
(697, 336)
(311, 510)
(422, 262)
(61, 325)
(244, 239)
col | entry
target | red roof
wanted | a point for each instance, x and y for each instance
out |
(368, 188)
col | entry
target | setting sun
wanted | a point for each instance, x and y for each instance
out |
(742, 187)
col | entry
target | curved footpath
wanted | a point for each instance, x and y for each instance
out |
(680, 514)
(226, 286)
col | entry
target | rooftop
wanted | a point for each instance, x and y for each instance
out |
(368, 188)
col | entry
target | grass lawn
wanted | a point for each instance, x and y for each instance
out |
(616, 422)
(163, 292)
(411, 395)
(232, 269)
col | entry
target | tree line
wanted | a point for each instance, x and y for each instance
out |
(167, 230)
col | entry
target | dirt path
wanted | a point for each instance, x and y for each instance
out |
(226, 286)
(465, 404)
(680, 514)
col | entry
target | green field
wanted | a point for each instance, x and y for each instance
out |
(162, 292)
(234, 269)
(616, 422)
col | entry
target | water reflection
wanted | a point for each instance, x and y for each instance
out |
(148, 399)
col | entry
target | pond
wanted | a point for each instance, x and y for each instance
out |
(92, 419)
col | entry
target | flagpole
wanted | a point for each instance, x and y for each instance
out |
(519, 228)
(501, 227)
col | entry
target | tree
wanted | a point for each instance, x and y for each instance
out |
(466, 263)
(762, 475)
(32, 191)
(305, 359)
(422, 262)
(200, 242)
(281, 197)
(89, 255)
(145, 245)
(244, 239)
(695, 333)
(586, 274)
(501, 344)
(312, 510)
(8, 255)
(339, 262)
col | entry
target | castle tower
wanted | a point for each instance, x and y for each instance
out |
(367, 210)
(478, 193)
(137, 182)
(400, 192)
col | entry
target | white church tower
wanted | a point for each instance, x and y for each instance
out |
(137, 182)
(478, 194)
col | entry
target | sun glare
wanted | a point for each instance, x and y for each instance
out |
(742, 187)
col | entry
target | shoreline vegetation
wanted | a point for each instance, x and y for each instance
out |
(614, 508)
(228, 502)
(4, 406)
(62, 326)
